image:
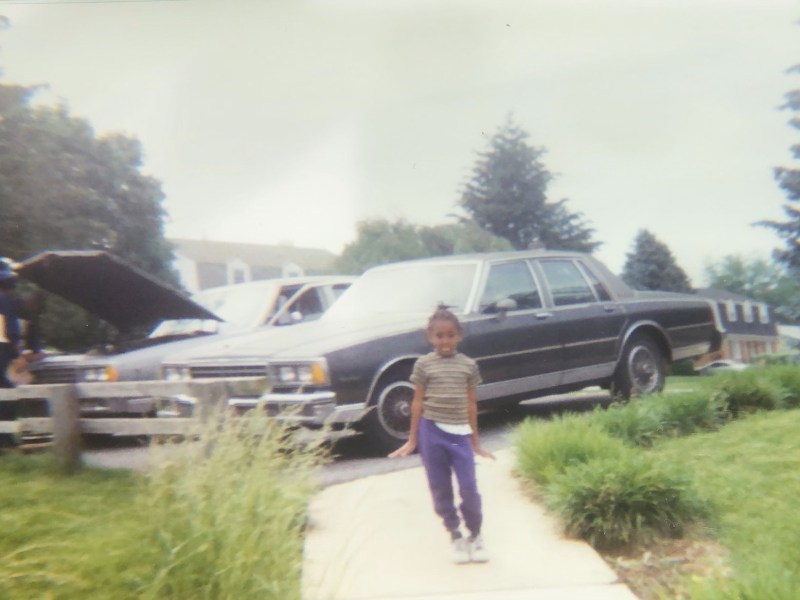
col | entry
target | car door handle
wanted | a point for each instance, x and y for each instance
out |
(609, 309)
(543, 315)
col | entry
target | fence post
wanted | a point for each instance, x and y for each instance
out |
(65, 410)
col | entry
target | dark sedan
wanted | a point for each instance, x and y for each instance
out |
(537, 322)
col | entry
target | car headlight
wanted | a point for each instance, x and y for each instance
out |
(312, 372)
(106, 373)
(176, 373)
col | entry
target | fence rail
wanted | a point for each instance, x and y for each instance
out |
(64, 421)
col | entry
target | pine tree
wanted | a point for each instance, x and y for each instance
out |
(651, 266)
(789, 181)
(507, 196)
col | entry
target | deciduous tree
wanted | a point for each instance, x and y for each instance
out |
(651, 266)
(507, 196)
(380, 241)
(758, 279)
(63, 187)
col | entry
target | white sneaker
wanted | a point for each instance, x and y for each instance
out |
(460, 551)
(477, 549)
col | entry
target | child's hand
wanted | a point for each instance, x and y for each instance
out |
(484, 453)
(404, 450)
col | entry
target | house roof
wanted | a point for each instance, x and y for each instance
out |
(209, 251)
(722, 295)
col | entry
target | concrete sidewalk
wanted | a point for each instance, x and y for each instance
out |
(378, 539)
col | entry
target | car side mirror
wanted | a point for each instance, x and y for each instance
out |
(505, 305)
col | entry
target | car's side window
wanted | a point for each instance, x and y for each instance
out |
(567, 284)
(512, 280)
(308, 304)
(599, 288)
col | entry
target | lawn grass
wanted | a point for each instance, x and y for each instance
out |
(734, 437)
(69, 537)
(747, 472)
(220, 517)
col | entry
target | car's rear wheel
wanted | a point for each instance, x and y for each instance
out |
(642, 368)
(389, 419)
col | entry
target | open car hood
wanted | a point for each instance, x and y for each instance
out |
(109, 288)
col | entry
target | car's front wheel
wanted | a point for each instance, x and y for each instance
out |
(389, 419)
(641, 369)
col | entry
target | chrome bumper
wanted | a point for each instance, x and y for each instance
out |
(313, 409)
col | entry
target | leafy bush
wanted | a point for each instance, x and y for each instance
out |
(747, 391)
(546, 448)
(227, 511)
(616, 502)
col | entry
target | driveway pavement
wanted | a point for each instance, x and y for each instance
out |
(377, 538)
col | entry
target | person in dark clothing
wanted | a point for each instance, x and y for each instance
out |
(10, 309)
(19, 339)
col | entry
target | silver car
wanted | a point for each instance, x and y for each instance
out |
(210, 314)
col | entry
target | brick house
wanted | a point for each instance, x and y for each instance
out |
(748, 328)
(204, 263)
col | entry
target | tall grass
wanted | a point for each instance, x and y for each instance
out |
(228, 512)
(221, 516)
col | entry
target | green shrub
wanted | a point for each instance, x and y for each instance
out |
(546, 448)
(228, 511)
(691, 412)
(684, 368)
(788, 378)
(747, 391)
(638, 422)
(644, 420)
(614, 503)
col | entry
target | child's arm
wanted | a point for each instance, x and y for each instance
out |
(472, 412)
(416, 413)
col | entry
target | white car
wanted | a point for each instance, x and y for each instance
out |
(721, 366)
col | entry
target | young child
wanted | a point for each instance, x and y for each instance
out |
(444, 423)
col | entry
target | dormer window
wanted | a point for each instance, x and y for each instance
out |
(730, 310)
(763, 313)
(747, 309)
(238, 271)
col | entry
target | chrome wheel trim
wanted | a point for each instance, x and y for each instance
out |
(394, 408)
(643, 370)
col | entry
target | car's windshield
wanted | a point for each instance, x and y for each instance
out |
(407, 288)
(240, 307)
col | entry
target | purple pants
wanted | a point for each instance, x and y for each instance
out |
(443, 454)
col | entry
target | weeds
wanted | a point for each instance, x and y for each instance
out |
(228, 511)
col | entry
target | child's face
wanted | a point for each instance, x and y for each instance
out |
(444, 336)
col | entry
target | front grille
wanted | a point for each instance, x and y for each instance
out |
(65, 374)
(220, 371)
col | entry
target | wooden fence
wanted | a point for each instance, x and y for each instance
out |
(65, 424)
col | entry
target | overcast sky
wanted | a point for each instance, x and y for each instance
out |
(275, 121)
